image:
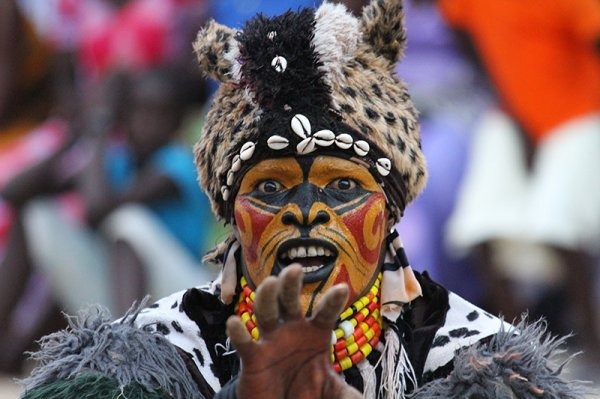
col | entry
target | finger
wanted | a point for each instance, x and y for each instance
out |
(239, 335)
(265, 305)
(330, 306)
(289, 291)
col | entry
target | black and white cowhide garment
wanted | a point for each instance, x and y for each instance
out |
(433, 328)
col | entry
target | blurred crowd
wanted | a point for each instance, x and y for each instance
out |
(101, 102)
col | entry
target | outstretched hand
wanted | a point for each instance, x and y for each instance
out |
(292, 359)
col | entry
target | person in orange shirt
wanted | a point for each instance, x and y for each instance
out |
(532, 176)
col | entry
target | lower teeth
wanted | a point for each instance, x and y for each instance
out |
(311, 268)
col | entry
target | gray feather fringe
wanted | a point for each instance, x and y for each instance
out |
(523, 365)
(119, 350)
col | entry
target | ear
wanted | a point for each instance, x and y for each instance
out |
(217, 51)
(382, 26)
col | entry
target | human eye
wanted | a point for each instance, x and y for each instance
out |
(342, 184)
(269, 186)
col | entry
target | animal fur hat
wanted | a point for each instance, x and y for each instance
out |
(310, 82)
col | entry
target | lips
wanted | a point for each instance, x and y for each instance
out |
(317, 258)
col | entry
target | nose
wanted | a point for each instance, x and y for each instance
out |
(291, 218)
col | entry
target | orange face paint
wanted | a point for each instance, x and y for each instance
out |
(326, 213)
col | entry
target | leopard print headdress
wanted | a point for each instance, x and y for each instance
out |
(310, 82)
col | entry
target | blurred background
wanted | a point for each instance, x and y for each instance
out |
(101, 102)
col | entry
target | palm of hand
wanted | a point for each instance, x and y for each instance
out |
(292, 358)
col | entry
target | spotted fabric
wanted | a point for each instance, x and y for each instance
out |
(463, 325)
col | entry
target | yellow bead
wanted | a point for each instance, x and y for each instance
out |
(245, 317)
(370, 334)
(354, 322)
(365, 301)
(364, 326)
(366, 349)
(243, 281)
(252, 295)
(339, 333)
(346, 313)
(352, 348)
(254, 333)
(345, 363)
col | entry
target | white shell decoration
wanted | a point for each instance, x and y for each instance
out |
(301, 125)
(225, 192)
(384, 166)
(279, 63)
(276, 142)
(230, 177)
(344, 141)
(324, 138)
(271, 35)
(361, 148)
(236, 164)
(247, 151)
(306, 146)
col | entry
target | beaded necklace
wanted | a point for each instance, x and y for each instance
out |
(357, 332)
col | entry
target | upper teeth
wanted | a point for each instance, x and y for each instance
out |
(304, 252)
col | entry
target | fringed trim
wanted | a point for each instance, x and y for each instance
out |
(367, 372)
(396, 369)
(118, 350)
(512, 365)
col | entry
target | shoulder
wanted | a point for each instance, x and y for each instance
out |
(164, 350)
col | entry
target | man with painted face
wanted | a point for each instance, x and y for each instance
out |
(311, 151)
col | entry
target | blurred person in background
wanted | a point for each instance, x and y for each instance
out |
(145, 215)
(531, 196)
(32, 134)
(57, 59)
(450, 94)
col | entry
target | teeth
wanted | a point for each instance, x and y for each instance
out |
(306, 252)
(311, 268)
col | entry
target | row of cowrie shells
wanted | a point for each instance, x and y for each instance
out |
(323, 138)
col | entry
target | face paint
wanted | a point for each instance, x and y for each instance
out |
(326, 213)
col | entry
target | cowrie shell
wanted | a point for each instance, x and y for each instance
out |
(361, 148)
(230, 175)
(301, 125)
(247, 151)
(276, 142)
(225, 192)
(279, 63)
(344, 141)
(384, 166)
(324, 138)
(306, 146)
(236, 164)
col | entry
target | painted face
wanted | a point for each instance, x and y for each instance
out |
(326, 213)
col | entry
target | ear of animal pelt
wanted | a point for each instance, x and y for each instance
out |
(383, 28)
(525, 365)
(216, 49)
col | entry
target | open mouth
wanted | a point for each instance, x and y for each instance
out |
(317, 258)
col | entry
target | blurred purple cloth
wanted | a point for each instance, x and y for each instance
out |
(447, 91)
